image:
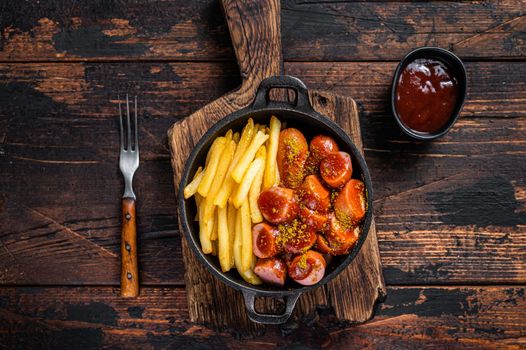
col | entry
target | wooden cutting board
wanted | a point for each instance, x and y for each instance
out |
(255, 31)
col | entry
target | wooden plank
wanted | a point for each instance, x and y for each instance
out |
(460, 201)
(59, 137)
(312, 30)
(91, 30)
(173, 90)
(346, 30)
(410, 318)
(494, 89)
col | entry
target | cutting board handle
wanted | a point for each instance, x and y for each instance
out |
(256, 36)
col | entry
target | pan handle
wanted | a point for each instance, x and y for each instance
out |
(262, 99)
(290, 302)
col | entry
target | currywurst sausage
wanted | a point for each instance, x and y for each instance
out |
(264, 240)
(293, 151)
(278, 205)
(271, 270)
(307, 269)
(336, 169)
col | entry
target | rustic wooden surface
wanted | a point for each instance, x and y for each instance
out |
(450, 215)
(254, 27)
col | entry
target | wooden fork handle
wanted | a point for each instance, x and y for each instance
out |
(129, 266)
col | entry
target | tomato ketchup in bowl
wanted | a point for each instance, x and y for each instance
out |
(428, 92)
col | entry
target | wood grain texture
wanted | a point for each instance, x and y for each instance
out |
(129, 263)
(494, 89)
(435, 203)
(173, 90)
(89, 30)
(348, 30)
(410, 318)
(256, 39)
(52, 114)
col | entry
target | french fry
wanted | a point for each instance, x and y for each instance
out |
(247, 135)
(238, 233)
(221, 173)
(222, 169)
(234, 169)
(241, 193)
(262, 152)
(206, 224)
(213, 234)
(198, 200)
(228, 184)
(250, 276)
(254, 279)
(210, 170)
(269, 178)
(255, 190)
(223, 239)
(204, 236)
(208, 218)
(234, 219)
(191, 188)
(246, 237)
(214, 248)
(231, 221)
(228, 135)
(248, 156)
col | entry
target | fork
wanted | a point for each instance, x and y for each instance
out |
(128, 163)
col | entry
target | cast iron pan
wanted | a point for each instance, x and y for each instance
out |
(302, 116)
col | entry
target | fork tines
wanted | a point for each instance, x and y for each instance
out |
(126, 138)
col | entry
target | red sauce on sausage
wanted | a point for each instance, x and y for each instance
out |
(300, 240)
(426, 95)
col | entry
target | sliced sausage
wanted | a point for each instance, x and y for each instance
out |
(316, 220)
(334, 247)
(264, 240)
(271, 270)
(307, 269)
(320, 146)
(301, 241)
(322, 245)
(350, 204)
(313, 194)
(341, 248)
(336, 169)
(278, 205)
(293, 151)
(340, 238)
(296, 237)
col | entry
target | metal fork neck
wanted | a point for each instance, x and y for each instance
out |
(128, 189)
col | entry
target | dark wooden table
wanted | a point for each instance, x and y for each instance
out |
(451, 214)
